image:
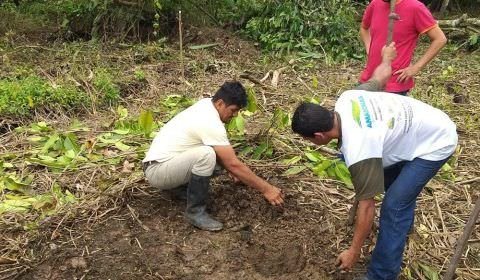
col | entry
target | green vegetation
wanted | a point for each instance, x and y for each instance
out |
(19, 97)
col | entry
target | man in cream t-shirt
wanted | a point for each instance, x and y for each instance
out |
(184, 154)
(392, 144)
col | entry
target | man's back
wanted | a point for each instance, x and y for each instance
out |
(392, 127)
(197, 125)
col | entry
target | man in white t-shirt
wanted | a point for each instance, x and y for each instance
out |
(184, 154)
(392, 144)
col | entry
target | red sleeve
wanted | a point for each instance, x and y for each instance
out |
(424, 20)
(367, 16)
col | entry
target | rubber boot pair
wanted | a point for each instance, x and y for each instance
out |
(196, 212)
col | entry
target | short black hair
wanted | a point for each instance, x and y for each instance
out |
(232, 93)
(310, 118)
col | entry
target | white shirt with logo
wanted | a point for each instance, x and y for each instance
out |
(392, 127)
(198, 125)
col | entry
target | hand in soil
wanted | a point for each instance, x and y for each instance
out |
(274, 195)
(347, 259)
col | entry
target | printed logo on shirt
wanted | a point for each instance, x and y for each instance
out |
(366, 113)
(356, 112)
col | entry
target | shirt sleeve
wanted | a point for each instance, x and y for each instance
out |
(367, 177)
(367, 16)
(213, 134)
(424, 20)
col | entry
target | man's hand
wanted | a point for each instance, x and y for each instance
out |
(406, 74)
(274, 195)
(347, 259)
(389, 53)
(234, 178)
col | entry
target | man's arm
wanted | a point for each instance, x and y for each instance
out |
(367, 177)
(230, 161)
(363, 226)
(383, 72)
(438, 40)
(366, 38)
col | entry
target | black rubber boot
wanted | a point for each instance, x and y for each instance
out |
(196, 213)
(179, 193)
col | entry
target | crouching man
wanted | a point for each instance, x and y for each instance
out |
(392, 144)
(184, 154)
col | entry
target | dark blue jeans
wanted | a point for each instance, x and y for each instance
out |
(403, 183)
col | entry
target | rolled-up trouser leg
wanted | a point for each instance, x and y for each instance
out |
(178, 170)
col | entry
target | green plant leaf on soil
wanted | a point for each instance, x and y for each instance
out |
(122, 147)
(260, 150)
(204, 46)
(251, 100)
(294, 170)
(429, 272)
(50, 143)
(145, 122)
(293, 160)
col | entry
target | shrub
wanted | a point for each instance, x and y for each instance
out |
(18, 97)
(308, 26)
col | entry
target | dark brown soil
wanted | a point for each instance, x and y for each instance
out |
(258, 242)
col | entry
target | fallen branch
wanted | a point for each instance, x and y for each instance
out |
(462, 241)
(463, 20)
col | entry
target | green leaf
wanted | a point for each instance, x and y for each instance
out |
(121, 146)
(251, 100)
(342, 173)
(204, 46)
(314, 156)
(294, 170)
(314, 82)
(429, 272)
(122, 112)
(262, 148)
(293, 160)
(13, 185)
(71, 143)
(50, 143)
(247, 150)
(145, 121)
(121, 131)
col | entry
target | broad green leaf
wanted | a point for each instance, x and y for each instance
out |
(121, 146)
(145, 121)
(342, 173)
(50, 142)
(320, 168)
(247, 150)
(71, 143)
(251, 100)
(314, 156)
(13, 185)
(294, 170)
(121, 131)
(36, 138)
(429, 272)
(262, 148)
(204, 46)
(293, 160)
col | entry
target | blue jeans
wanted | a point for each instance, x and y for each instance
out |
(403, 183)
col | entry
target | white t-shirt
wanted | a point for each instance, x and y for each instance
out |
(392, 127)
(198, 125)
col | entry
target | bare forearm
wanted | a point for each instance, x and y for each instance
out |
(365, 37)
(363, 225)
(382, 73)
(431, 52)
(245, 174)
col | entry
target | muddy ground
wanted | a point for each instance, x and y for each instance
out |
(147, 238)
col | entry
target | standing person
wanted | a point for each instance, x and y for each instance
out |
(414, 20)
(184, 154)
(392, 144)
